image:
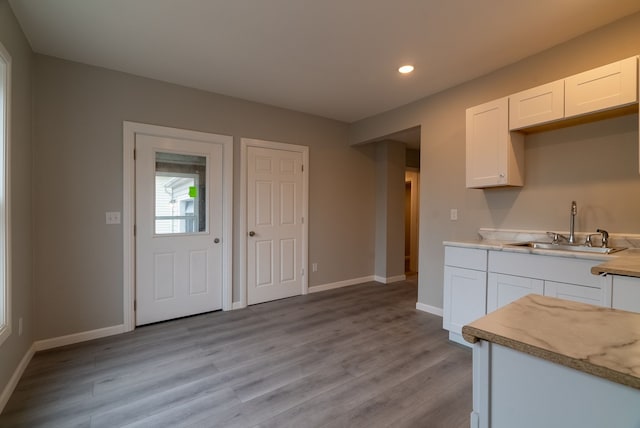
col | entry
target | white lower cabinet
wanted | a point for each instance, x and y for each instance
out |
(504, 289)
(477, 282)
(514, 275)
(577, 293)
(465, 289)
(465, 292)
(625, 293)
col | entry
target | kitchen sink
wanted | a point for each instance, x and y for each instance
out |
(568, 247)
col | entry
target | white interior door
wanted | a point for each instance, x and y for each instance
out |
(179, 209)
(274, 224)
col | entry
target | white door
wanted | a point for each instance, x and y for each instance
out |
(274, 224)
(179, 208)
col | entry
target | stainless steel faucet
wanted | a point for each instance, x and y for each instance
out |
(572, 223)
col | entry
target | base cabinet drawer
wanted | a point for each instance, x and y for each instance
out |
(468, 258)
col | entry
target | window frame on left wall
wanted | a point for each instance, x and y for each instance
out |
(5, 137)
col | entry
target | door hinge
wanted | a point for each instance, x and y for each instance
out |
(302, 167)
(134, 230)
(134, 154)
(135, 305)
(302, 272)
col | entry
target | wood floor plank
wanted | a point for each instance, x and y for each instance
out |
(354, 356)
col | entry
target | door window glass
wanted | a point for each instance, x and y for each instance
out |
(180, 193)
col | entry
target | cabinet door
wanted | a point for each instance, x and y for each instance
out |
(576, 293)
(494, 155)
(610, 86)
(504, 289)
(465, 297)
(537, 105)
(626, 293)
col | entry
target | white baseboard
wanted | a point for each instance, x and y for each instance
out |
(15, 378)
(390, 279)
(428, 308)
(237, 305)
(339, 284)
(41, 345)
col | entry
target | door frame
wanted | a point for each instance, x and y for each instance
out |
(129, 130)
(245, 143)
(412, 175)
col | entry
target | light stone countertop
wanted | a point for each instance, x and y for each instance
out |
(600, 341)
(625, 262)
(509, 247)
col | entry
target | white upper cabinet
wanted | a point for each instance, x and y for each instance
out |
(495, 151)
(494, 156)
(603, 88)
(537, 105)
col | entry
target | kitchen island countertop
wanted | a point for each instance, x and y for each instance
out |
(600, 341)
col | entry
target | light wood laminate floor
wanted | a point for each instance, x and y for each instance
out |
(359, 356)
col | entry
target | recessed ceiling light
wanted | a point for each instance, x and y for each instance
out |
(406, 69)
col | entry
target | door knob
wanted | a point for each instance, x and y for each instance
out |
(216, 240)
(252, 233)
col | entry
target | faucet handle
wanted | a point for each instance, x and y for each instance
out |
(587, 240)
(605, 237)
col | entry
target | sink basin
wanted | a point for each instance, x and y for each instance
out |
(567, 247)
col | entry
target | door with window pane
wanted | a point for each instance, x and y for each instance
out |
(178, 228)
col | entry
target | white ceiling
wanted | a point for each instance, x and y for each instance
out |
(332, 58)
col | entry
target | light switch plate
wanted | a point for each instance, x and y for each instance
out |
(113, 217)
(454, 214)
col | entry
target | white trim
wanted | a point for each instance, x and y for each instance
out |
(70, 339)
(238, 305)
(6, 320)
(244, 144)
(434, 310)
(129, 130)
(390, 279)
(339, 284)
(15, 378)
(413, 176)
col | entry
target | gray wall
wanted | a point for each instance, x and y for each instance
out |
(15, 347)
(596, 164)
(79, 112)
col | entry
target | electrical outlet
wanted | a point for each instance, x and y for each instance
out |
(314, 267)
(454, 214)
(113, 217)
(20, 326)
